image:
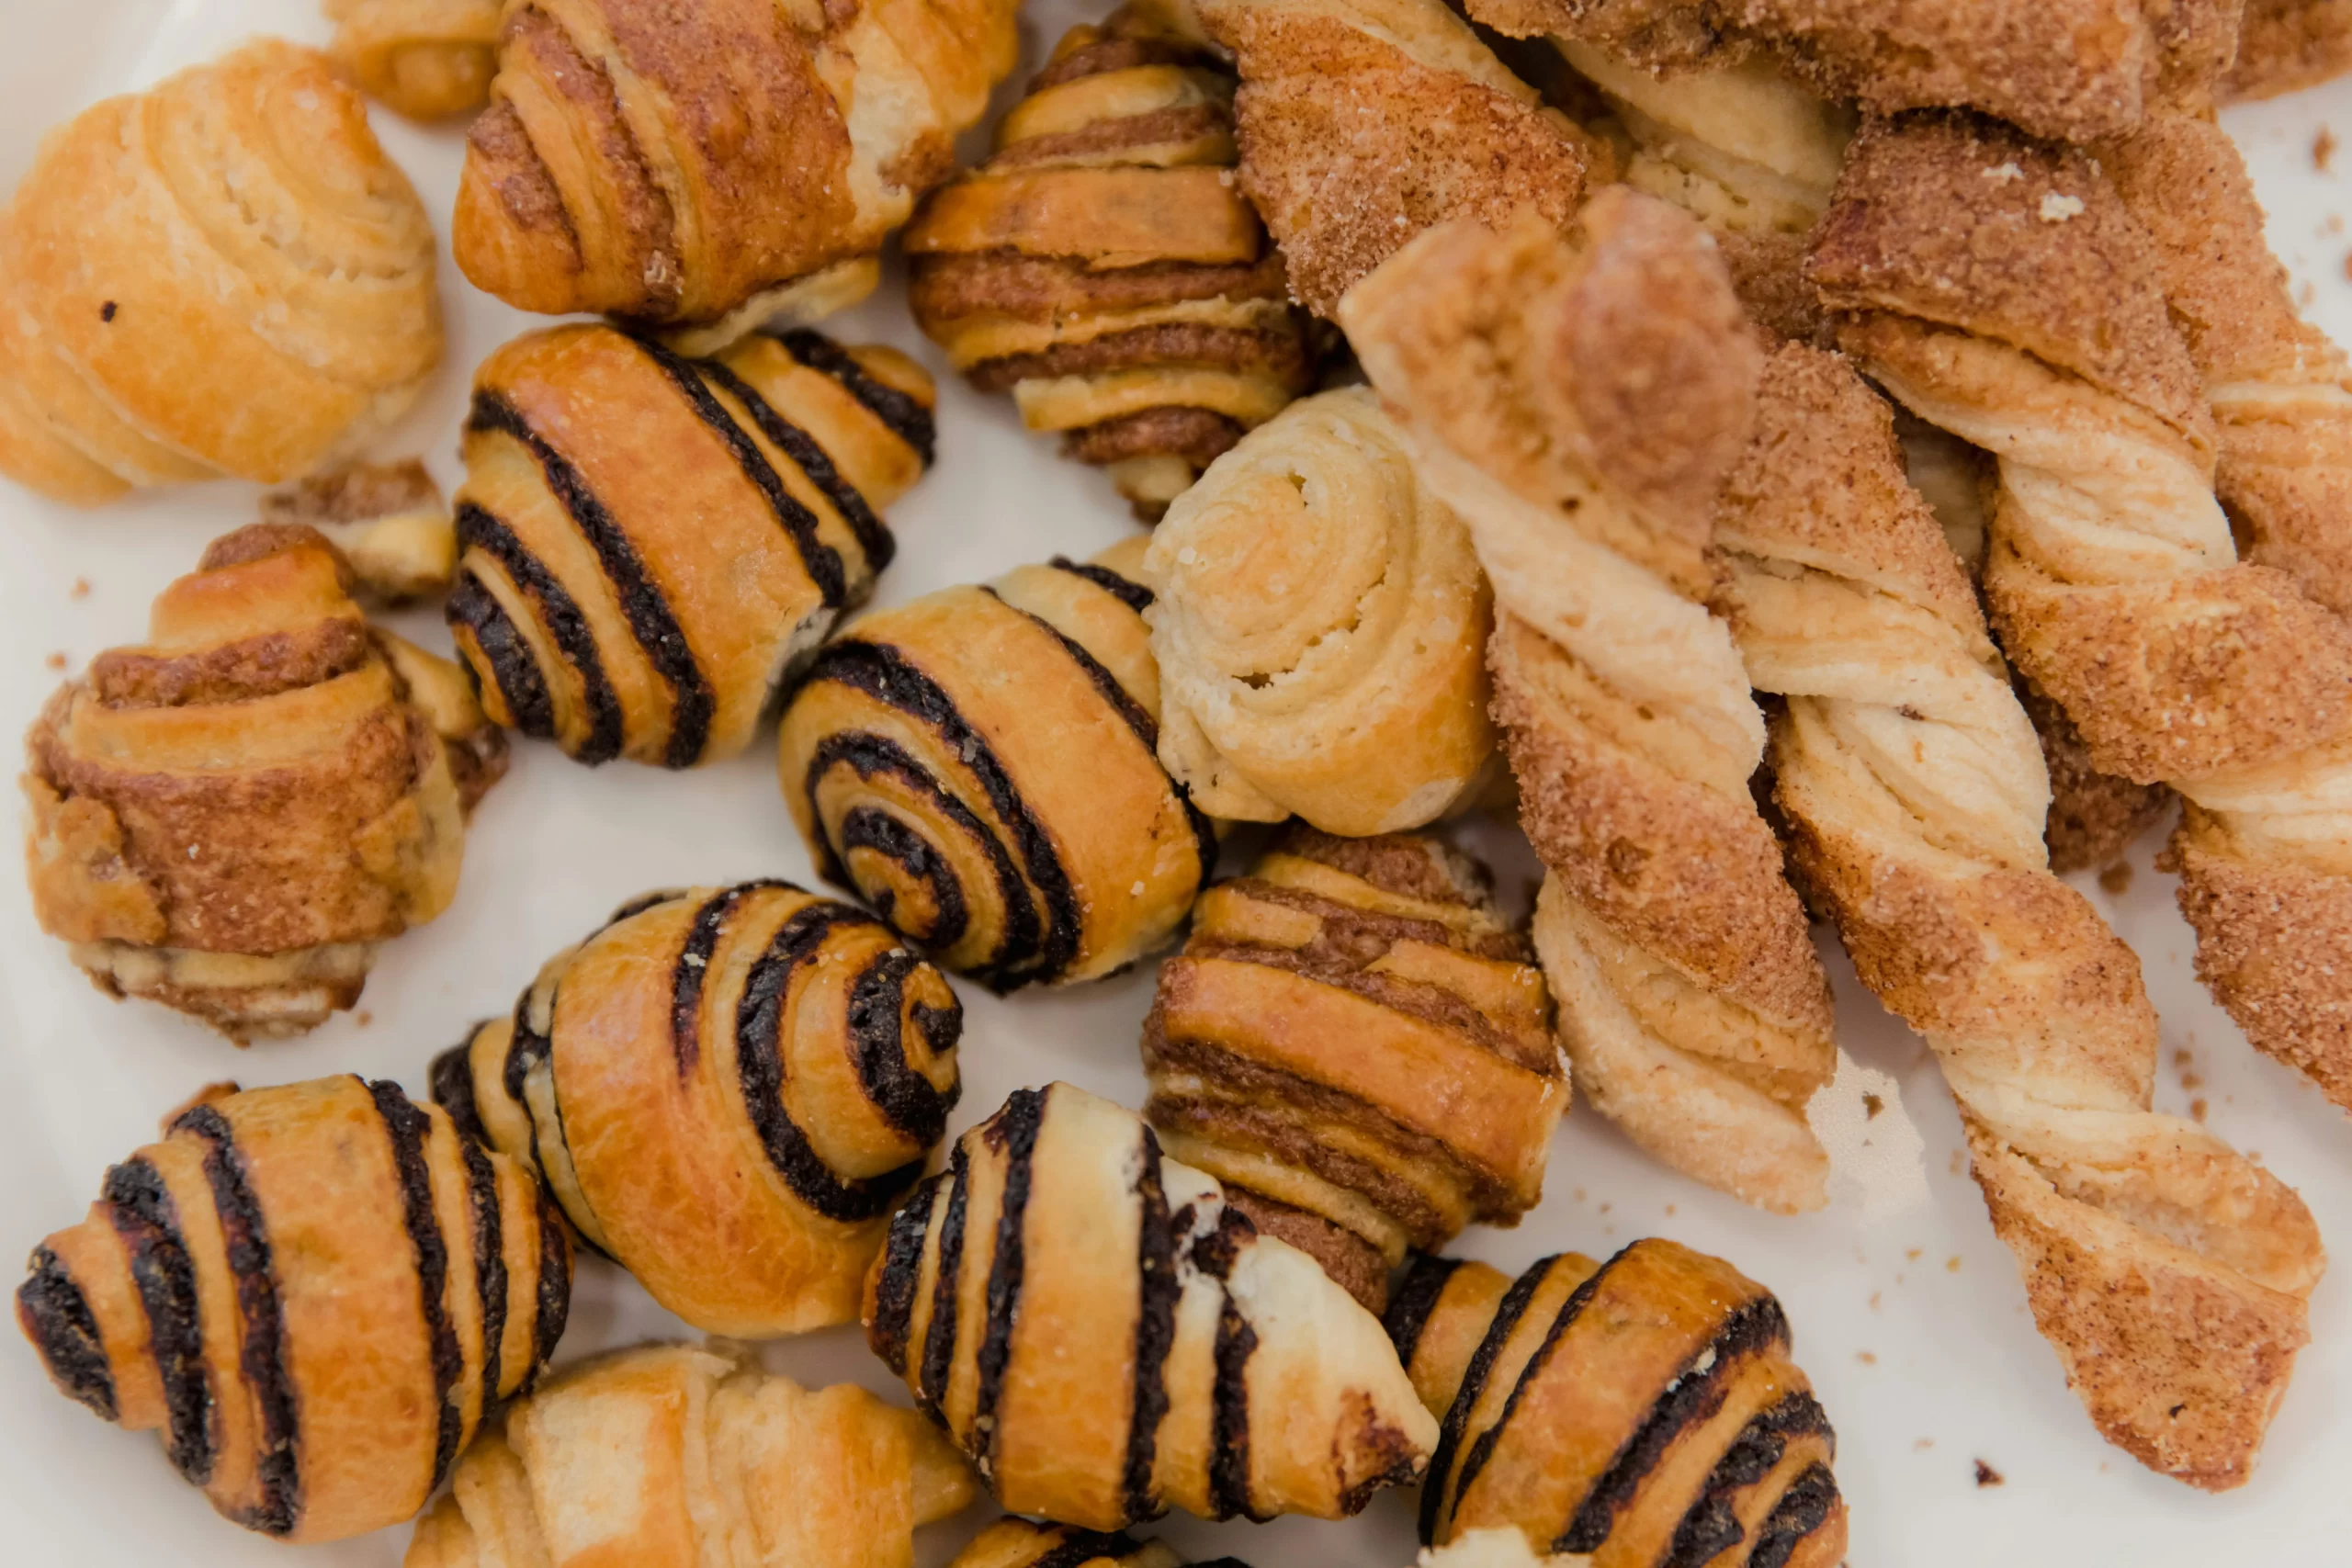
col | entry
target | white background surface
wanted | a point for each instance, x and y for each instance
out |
(1911, 1324)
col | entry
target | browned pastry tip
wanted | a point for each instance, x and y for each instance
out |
(230, 817)
(427, 59)
(2284, 45)
(315, 1294)
(387, 519)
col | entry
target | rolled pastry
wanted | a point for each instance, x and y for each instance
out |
(667, 1454)
(428, 59)
(712, 166)
(220, 276)
(650, 543)
(1320, 623)
(1359, 1047)
(2287, 44)
(981, 765)
(1641, 1410)
(230, 817)
(1015, 1543)
(726, 1088)
(387, 519)
(1104, 1336)
(317, 1294)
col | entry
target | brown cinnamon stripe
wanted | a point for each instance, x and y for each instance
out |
(1127, 132)
(1111, 54)
(241, 671)
(943, 289)
(141, 1208)
(407, 1129)
(1276, 354)
(1200, 436)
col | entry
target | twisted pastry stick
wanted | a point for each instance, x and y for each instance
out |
(223, 275)
(1102, 267)
(1321, 622)
(1364, 121)
(230, 817)
(1104, 1336)
(1998, 287)
(650, 544)
(428, 59)
(1355, 1044)
(1578, 401)
(981, 765)
(708, 167)
(1643, 1410)
(2170, 1274)
(1015, 1543)
(2287, 44)
(726, 1088)
(318, 1294)
(667, 1454)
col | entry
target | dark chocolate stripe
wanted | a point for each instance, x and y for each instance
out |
(1229, 1441)
(1694, 1396)
(1155, 1332)
(553, 1303)
(878, 1032)
(894, 1286)
(1415, 1298)
(566, 626)
(261, 1352)
(687, 974)
(759, 1023)
(511, 664)
(1711, 1526)
(56, 1317)
(1439, 1494)
(148, 1222)
(887, 676)
(938, 1333)
(1802, 1510)
(490, 1270)
(1080, 1547)
(906, 417)
(450, 1081)
(1134, 596)
(407, 1127)
(874, 541)
(1016, 1128)
(649, 618)
(639, 904)
(818, 559)
(868, 828)
(1222, 1563)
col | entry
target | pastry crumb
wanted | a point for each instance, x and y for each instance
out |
(1923, 1445)
(1875, 1296)
(1867, 1358)
(2197, 1110)
(363, 1018)
(55, 662)
(80, 588)
(1986, 1475)
(1872, 1106)
(1911, 1255)
(1951, 1264)
(2117, 879)
(2323, 146)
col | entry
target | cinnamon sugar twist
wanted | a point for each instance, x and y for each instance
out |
(1998, 287)
(2170, 1273)
(1576, 400)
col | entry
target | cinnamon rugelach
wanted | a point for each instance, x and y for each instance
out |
(2287, 44)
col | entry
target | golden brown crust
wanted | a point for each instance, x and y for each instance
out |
(316, 1294)
(2094, 817)
(2284, 45)
(428, 59)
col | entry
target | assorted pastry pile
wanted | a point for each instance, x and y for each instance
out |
(1850, 462)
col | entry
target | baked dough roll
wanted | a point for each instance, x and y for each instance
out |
(709, 166)
(1364, 121)
(2287, 44)
(230, 817)
(1912, 784)
(1578, 399)
(1103, 267)
(1359, 1048)
(981, 766)
(1013, 1542)
(315, 1294)
(649, 544)
(1643, 1409)
(220, 276)
(1105, 1336)
(668, 1454)
(1320, 623)
(2026, 316)
(428, 59)
(726, 1088)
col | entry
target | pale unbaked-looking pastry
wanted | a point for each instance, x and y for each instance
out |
(428, 59)
(1358, 1046)
(726, 1088)
(981, 764)
(220, 276)
(1105, 1336)
(1015, 1543)
(1578, 399)
(667, 1456)
(1102, 266)
(1320, 623)
(713, 165)
(229, 818)
(2287, 44)
(649, 544)
(316, 1294)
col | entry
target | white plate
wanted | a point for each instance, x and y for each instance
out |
(1911, 1324)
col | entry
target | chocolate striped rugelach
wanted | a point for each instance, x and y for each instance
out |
(1640, 1410)
(317, 1293)
(1015, 1543)
(650, 543)
(1105, 1336)
(1359, 1047)
(1103, 267)
(726, 1089)
(982, 766)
